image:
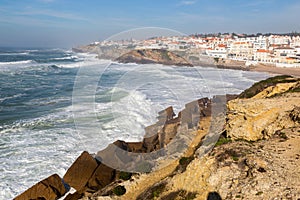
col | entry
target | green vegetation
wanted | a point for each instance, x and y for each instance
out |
(216, 60)
(292, 90)
(125, 175)
(153, 192)
(260, 86)
(235, 158)
(259, 193)
(296, 89)
(157, 190)
(119, 190)
(230, 153)
(223, 140)
(180, 194)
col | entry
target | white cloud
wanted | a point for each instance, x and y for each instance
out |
(51, 13)
(187, 2)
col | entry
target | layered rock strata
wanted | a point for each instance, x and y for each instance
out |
(159, 56)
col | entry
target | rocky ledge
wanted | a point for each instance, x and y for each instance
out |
(256, 157)
(159, 56)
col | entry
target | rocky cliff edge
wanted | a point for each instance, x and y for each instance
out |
(256, 157)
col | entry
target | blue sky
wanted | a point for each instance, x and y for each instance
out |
(66, 23)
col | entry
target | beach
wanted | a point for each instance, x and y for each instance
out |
(276, 70)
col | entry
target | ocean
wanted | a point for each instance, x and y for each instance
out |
(49, 98)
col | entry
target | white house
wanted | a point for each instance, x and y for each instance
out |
(218, 52)
(262, 55)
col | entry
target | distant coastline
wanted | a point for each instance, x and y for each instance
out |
(181, 58)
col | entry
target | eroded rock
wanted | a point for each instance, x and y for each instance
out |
(81, 171)
(254, 119)
(49, 188)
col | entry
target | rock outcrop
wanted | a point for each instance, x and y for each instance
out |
(267, 111)
(265, 169)
(159, 56)
(81, 170)
(49, 188)
(257, 156)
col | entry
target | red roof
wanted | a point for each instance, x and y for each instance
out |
(291, 58)
(222, 45)
(262, 51)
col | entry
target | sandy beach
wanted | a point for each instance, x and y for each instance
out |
(276, 70)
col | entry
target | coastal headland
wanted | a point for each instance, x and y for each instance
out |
(182, 58)
(255, 156)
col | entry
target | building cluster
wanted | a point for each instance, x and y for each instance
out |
(260, 48)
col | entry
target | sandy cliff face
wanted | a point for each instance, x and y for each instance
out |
(256, 157)
(159, 56)
(265, 169)
(255, 119)
(260, 117)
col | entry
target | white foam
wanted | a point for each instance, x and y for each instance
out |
(17, 62)
(66, 58)
(32, 153)
(11, 97)
(14, 53)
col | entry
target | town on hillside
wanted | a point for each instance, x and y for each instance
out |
(282, 50)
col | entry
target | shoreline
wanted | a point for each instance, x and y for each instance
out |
(156, 57)
(99, 179)
(276, 70)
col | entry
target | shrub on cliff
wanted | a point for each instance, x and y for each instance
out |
(119, 190)
(260, 86)
(125, 175)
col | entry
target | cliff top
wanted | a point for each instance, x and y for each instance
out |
(159, 56)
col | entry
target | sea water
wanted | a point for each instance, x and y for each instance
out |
(43, 110)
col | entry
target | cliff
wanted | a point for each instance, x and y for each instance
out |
(159, 56)
(255, 157)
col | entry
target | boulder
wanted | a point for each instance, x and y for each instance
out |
(150, 142)
(168, 133)
(49, 188)
(103, 176)
(166, 114)
(74, 196)
(135, 147)
(81, 171)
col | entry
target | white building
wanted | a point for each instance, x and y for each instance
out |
(241, 51)
(260, 42)
(279, 40)
(262, 55)
(219, 52)
(285, 52)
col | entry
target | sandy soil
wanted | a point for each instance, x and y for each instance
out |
(276, 70)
